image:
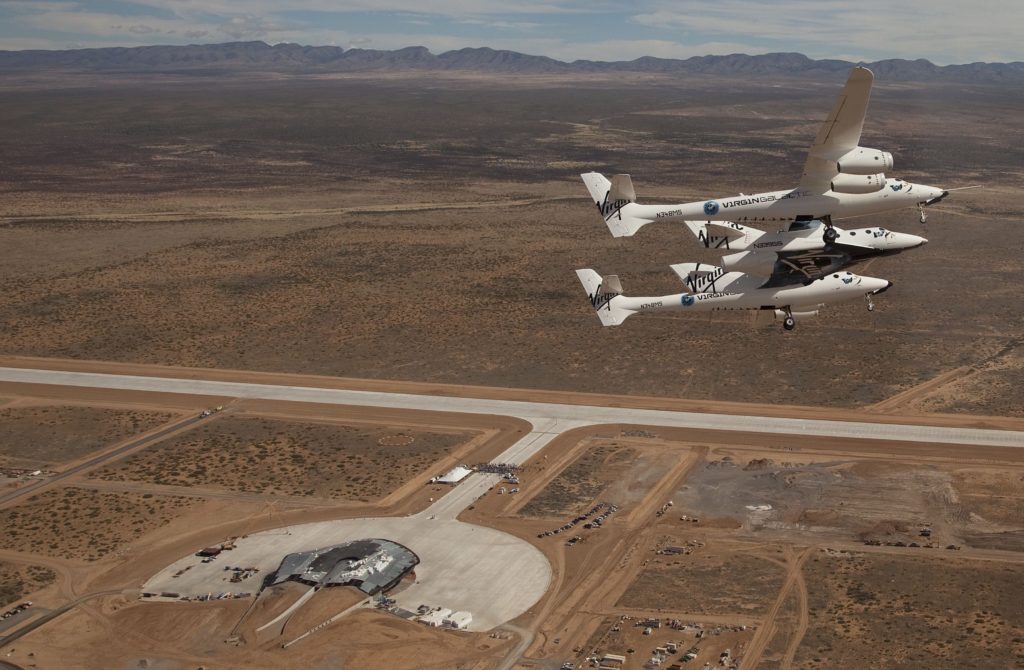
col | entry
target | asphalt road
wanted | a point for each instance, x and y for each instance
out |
(537, 413)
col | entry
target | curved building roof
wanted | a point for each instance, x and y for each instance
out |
(370, 565)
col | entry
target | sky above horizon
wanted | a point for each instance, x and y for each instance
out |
(941, 31)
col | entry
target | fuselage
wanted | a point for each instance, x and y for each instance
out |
(791, 204)
(833, 288)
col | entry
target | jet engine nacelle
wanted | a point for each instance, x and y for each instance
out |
(864, 161)
(855, 183)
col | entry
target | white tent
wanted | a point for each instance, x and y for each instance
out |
(455, 475)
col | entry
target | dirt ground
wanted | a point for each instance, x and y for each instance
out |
(282, 227)
(48, 436)
(744, 583)
(580, 485)
(277, 228)
(83, 524)
(909, 612)
(859, 500)
(259, 455)
(706, 582)
(17, 581)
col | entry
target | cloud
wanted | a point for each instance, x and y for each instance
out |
(869, 29)
(455, 9)
(84, 24)
(502, 25)
(245, 27)
(943, 31)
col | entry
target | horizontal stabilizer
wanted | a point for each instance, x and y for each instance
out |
(622, 189)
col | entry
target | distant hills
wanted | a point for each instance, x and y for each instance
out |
(295, 58)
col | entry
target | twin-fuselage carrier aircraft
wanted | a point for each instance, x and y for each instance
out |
(840, 179)
(787, 274)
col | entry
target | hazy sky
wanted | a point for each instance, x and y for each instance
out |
(943, 31)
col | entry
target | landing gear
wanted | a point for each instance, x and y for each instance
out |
(789, 323)
(830, 233)
(871, 303)
(924, 216)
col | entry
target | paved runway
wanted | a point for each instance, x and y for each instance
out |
(534, 412)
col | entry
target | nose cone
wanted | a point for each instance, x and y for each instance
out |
(907, 241)
(874, 285)
(934, 194)
(883, 289)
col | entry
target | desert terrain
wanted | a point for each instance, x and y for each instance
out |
(710, 542)
(418, 234)
(427, 229)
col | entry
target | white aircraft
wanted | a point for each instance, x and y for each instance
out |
(801, 251)
(840, 179)
(711, 288)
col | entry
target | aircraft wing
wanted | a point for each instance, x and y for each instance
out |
(839, 133)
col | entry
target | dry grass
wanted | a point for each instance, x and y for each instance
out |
(84, 524)
(241, 254)
(258, 455)
(41, 436)
(580, 484)
(911, 612)
(706, 582)
(17, 581)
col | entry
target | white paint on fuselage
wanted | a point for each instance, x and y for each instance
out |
(788, 205)
(833, 288)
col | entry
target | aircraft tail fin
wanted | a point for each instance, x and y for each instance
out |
(615, 199)
(705, 278)
(604, 293)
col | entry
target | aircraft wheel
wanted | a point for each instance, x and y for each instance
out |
(789, 323)
(830, 235)
(871, 306)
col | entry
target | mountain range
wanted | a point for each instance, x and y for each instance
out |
(295, 58)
